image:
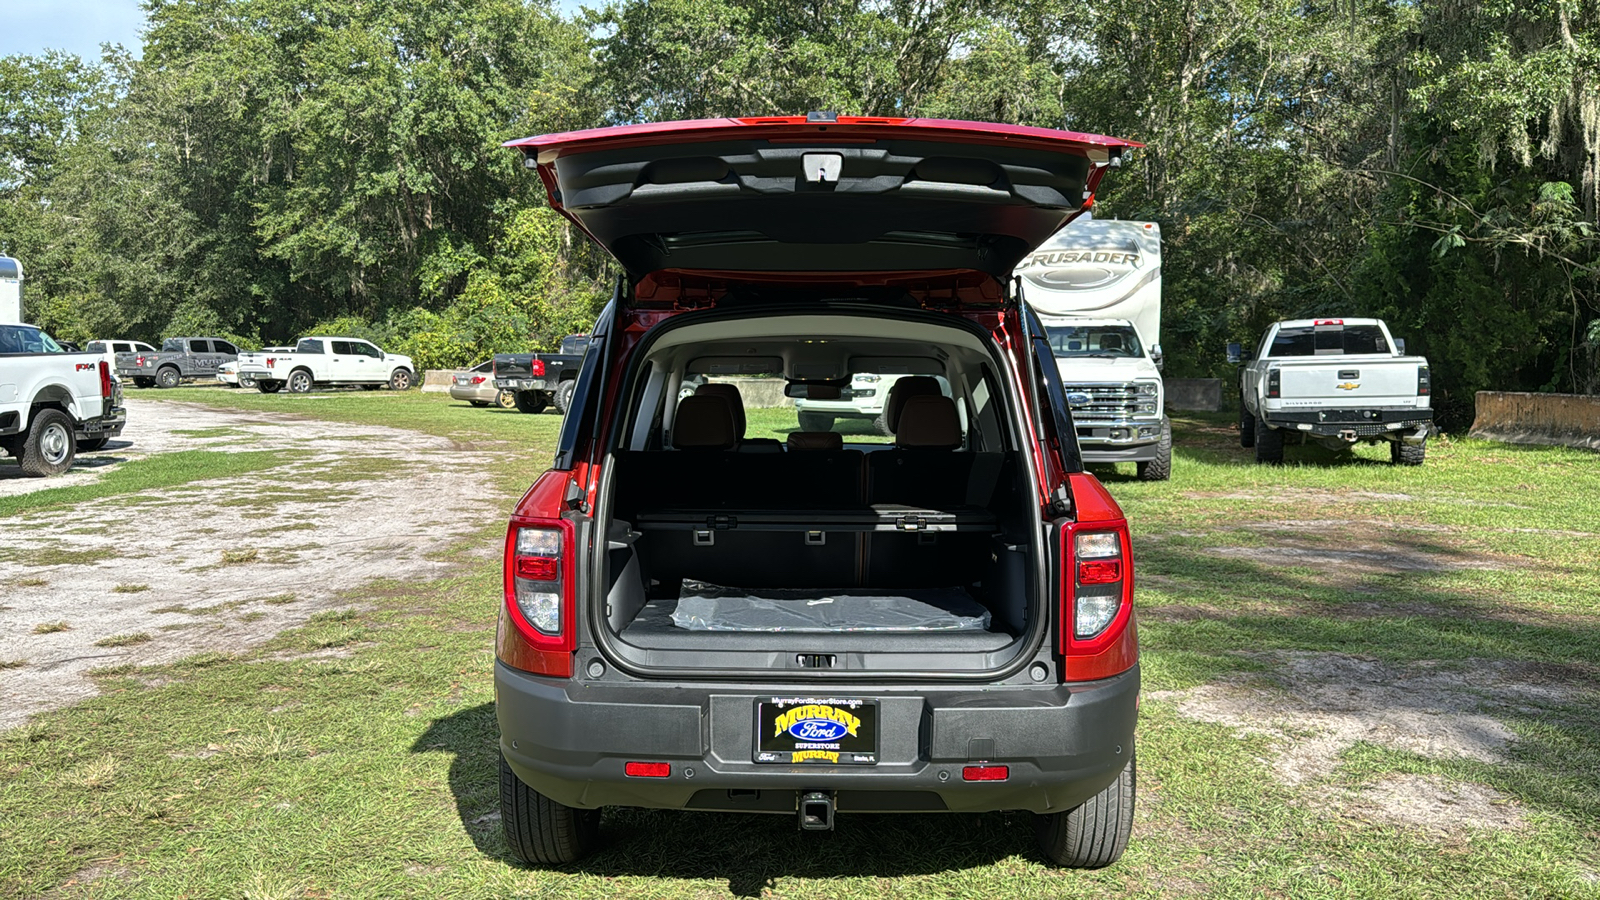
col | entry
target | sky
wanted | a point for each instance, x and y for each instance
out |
(81, 26)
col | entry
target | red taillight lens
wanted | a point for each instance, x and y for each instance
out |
(985, 773)
(539, 594)
(648, 770)
(478, 379)
(536, 368)
(1103, 572)
(105, 380)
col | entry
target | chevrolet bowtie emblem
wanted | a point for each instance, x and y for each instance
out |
(1347, 386)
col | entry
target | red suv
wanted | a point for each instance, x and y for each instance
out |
(698, 617)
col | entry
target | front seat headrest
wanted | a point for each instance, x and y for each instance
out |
(903, 390)
(815, 440)
(929, 423)
(735, 400)
(704, 423)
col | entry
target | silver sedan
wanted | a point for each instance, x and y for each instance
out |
(476, 386)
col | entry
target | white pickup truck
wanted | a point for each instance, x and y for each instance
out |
(53, 403)
(326, 360)
(1334, 381)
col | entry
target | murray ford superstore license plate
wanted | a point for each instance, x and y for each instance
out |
(820, 731)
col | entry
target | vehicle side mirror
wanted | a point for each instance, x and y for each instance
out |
(1235, 353)
(1400, 346)
(1157, 357)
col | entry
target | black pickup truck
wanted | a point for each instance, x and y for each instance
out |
(542, 379)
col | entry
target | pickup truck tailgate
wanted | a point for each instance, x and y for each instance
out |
(1349, 383)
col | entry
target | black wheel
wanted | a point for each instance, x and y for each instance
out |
(300, 381)
(506, 400)
(140, 381)
(1404, 454)
(532, 401)
(1269, 444)
(1094, 834)
(479, 402)
(1160, 468)
(1247, 427)
(90, 445)
(563, 396)
(269, 387)
(540, 831)
(881, 424)
(167, 377)
(810, 421)
(400, 379)
(49, 447)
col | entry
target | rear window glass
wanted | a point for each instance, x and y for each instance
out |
(172, 345)
(23, 339)
(1307, 341)
(309, 346)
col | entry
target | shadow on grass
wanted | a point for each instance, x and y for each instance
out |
(750, 851)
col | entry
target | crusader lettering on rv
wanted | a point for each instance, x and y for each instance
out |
(1066, 257)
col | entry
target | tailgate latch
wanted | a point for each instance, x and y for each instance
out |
(911, 523)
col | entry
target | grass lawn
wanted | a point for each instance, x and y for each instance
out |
(355, 757)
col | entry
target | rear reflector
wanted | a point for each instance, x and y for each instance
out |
(648, 770)
(985, 773)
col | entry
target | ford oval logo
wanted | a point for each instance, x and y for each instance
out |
(817, 730)
(1077, 399)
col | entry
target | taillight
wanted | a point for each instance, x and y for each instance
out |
(1096, 630)
(105, 381)
(139, 361)
(478, 379)
(1274, 383)
(1424, 382)
(539, 592)
(536, 368)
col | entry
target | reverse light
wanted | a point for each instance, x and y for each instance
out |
(985, 773)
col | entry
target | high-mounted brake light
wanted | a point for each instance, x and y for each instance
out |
(539, 591)
(1316, 322)
(1424, 382)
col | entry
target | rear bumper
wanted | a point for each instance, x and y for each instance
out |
(106, 426)
(524, 384)
(485, 393)
(570, 741)
(1401, 422)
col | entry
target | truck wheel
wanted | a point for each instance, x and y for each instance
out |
(506, 400)
(1269, 444)
(563, 397)
(881, 424)
(300, 381)
(167, 377)
(400, 379)
(90, 445)
(1404, 454)
(816, 422)
(247, 383)
(269, 387)
(49, 447)
(1094, 834)
(1160, 468)
(144, 382)
(540, 831)
(532, 401)
(1247, 427)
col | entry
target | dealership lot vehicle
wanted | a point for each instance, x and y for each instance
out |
(178, 359)
(1335, 382)
(55, 403)
(476, 386)
(538, 380)
(327, 361)
(112, 348)
(228, 374)
(694, 619)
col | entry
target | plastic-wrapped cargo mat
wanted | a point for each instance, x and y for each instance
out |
(711, 607)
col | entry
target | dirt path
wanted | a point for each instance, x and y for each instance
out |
(225, 564)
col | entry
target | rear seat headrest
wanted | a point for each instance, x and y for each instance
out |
(903, 390)
(929, 423)
(704, 422)
(735, 400)
(815, 440)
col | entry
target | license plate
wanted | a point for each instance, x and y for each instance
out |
(827, 731)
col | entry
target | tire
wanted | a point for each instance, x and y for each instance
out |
(881, 424)
(49, 447)
(1269, 444)
(563, 397)
(479, 403)
(167, 377)
(816, 422)
(301, 382)
(1160, 468)
(540, 831)
(532, 402)
(371, 387)
(1093, 835)
(139, 381)
(1404, 454)
(506, 400)
(400, 379)
(90, 445)
(269, 387)
(247, 383)
(1247, 427)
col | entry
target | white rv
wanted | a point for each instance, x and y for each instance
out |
(1096, 286)
(10, 291)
